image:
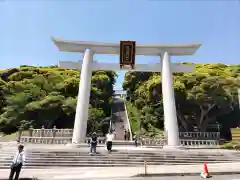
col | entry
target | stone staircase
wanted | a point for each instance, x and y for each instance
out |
(39, 158)
(119, 118)
(7, 151)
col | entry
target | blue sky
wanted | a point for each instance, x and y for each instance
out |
(28, 25)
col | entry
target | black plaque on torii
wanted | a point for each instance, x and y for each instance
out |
(127, 53)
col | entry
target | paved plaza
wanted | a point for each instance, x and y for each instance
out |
(217, 177)
(126, 172)
(221, 177)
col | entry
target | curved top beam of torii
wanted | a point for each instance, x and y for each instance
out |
(114, 48)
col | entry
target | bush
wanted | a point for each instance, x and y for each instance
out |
(231, 145)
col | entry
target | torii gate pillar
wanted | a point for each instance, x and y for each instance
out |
(169, 107)
(80, 123)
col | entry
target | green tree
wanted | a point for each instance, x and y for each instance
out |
(47, 96)
(202, 97)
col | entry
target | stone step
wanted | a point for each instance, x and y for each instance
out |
(113, 162)
(120, 153)
(93, 158)
(36, 166)
(123, 154)
(101, 151)
(124, 157)
(66, 155)
(120, 160)
(95, 164)
(117, 160)
(117, 156)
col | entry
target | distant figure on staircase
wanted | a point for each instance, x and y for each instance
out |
(93, 143)
(128, 135)
(125, 134)
(109, 140)
(135, 138)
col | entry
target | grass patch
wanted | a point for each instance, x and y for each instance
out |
(231, 145)
(134, 117)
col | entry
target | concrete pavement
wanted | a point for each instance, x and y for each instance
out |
(221, 177)
(227, 177)
(125, 172)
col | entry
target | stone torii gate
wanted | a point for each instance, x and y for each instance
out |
(127, 54)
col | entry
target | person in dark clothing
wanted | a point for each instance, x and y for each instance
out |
(93, 143)
(128, 135)
(17, 163)
(135, 138)
(125, 134)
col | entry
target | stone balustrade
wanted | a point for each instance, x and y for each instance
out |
(64, 136)
(191, 143)
(183, 142)
(46, 140)
(101, 140)
(68, 133)
(55, 140)
(200, 135)
(49, 133)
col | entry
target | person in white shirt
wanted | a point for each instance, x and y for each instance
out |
(17, 163)
(109, 139)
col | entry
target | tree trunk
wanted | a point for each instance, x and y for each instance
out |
(182, 120)
(202, 125)
(50, 124)
(207, 120)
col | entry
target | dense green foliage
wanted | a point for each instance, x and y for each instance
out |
(47, 96)
(203, 97)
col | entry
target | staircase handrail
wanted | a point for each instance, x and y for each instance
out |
(128, 122)
(110, 123)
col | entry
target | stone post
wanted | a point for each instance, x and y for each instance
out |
(20, 131)
(30, 130)
(42, 132)
(54, 131)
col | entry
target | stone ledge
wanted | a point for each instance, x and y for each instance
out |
(24, 179)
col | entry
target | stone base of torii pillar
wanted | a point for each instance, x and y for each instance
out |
(87, 66)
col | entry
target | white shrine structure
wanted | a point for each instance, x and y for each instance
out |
(165, 66)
